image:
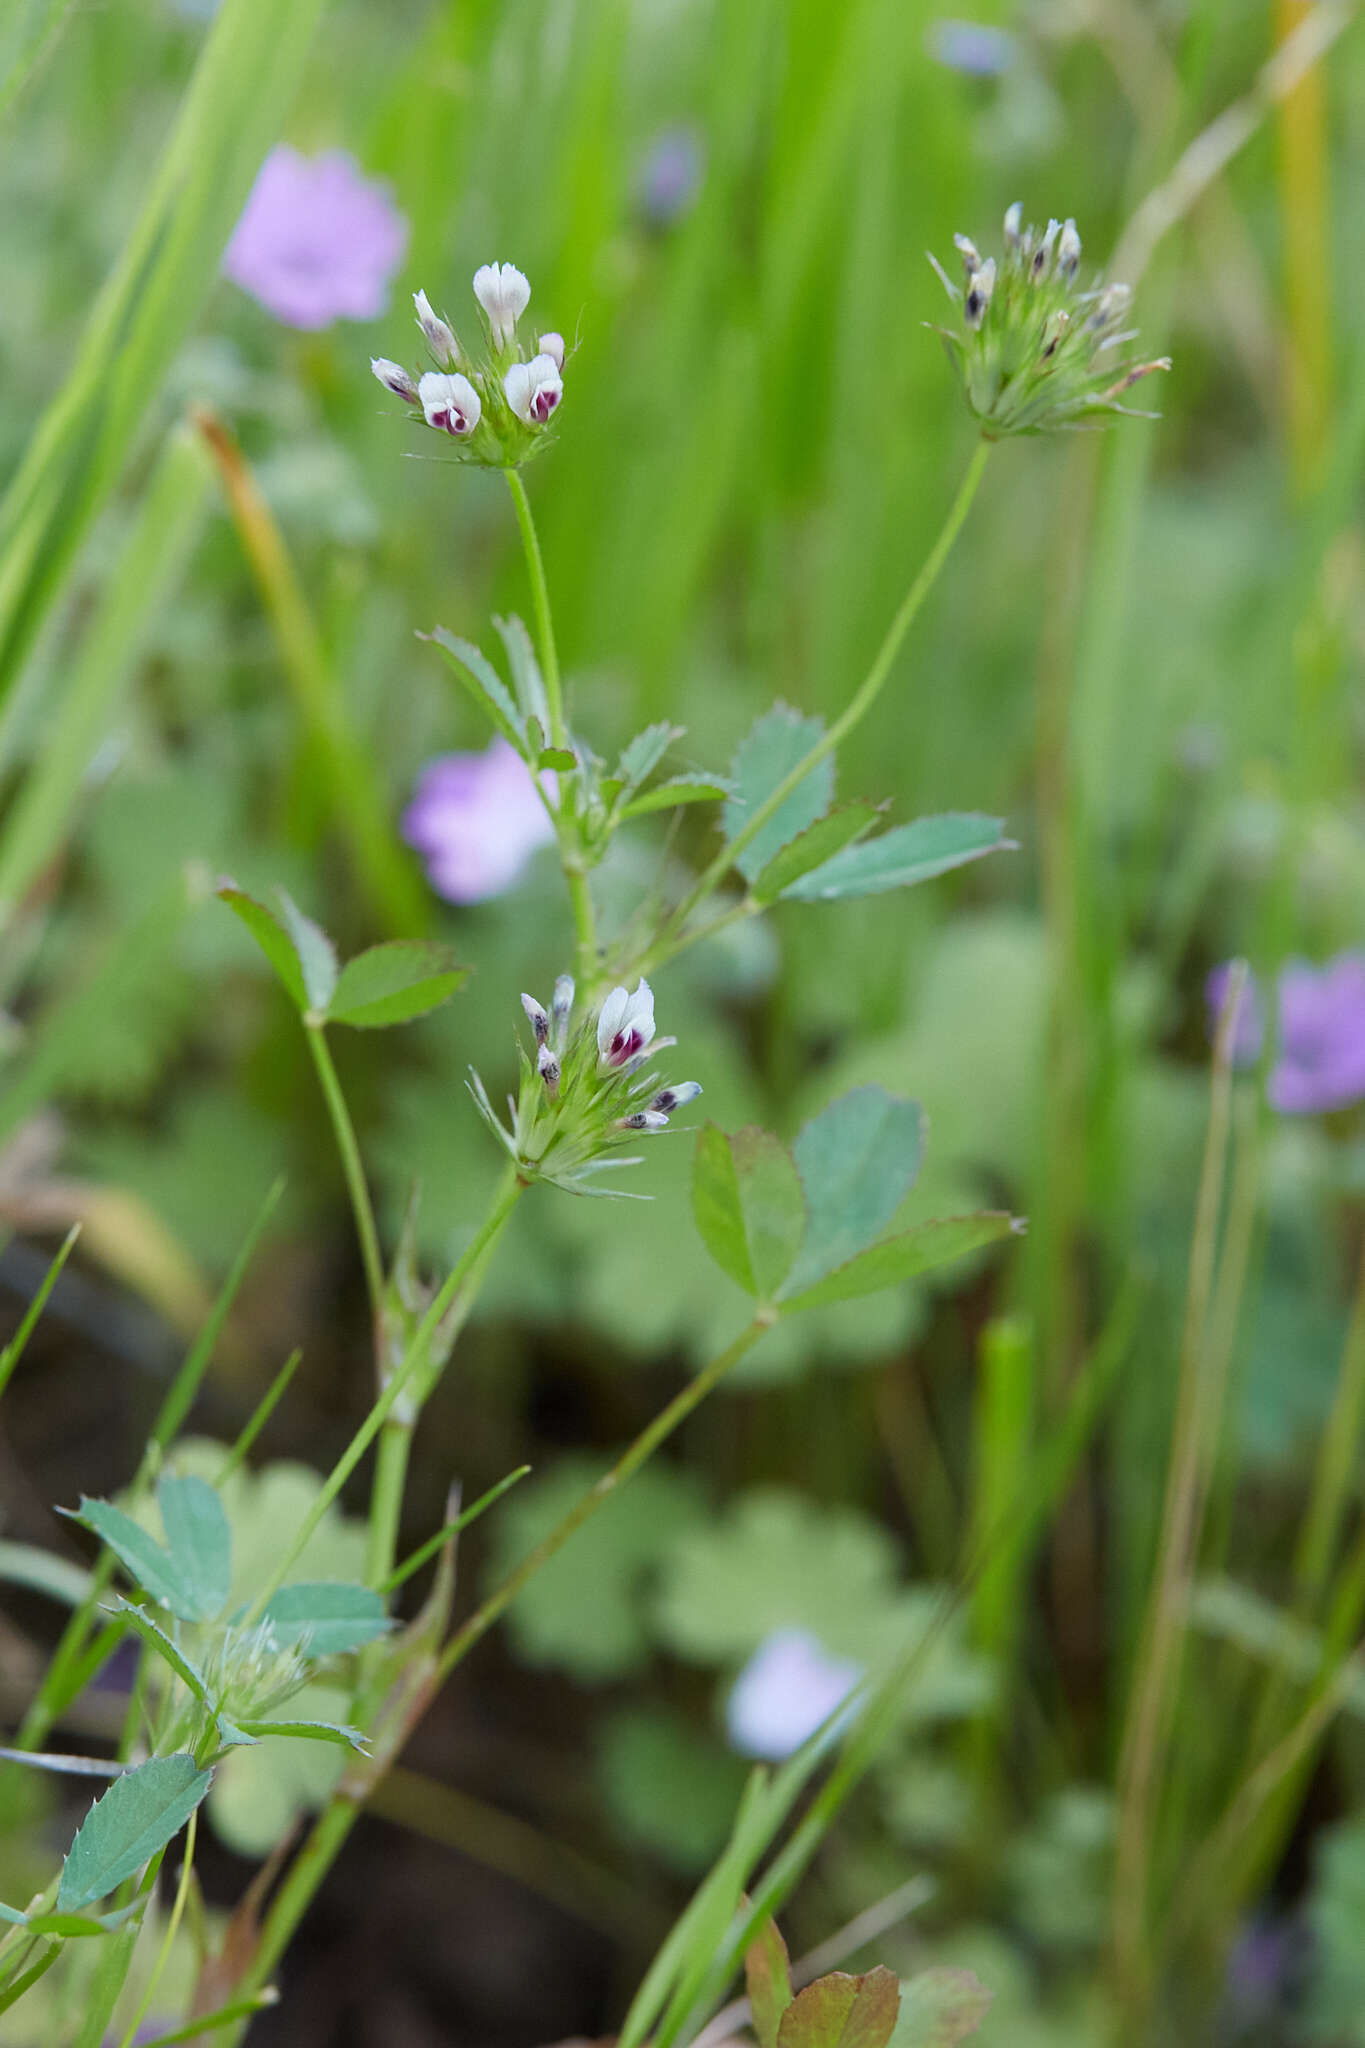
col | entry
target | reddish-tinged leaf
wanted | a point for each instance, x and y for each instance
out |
(839, 2011)
(767, 1972)
(942, 2007)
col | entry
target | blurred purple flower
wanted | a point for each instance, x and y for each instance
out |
(476, 820)
(1322, 1036)
(1248, 1030)
(1321, 1016)
(317, 241)
(670, 176)
(971, 47)
(787, 1688)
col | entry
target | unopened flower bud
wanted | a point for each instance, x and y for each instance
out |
(1068, 251)
(1042, 255)
(394, 378)
(536, 1018)
(979, 295)
(561, 1008)
(552, 345)
(669, 1099)
(970, 254)
(643, 1120)
(1113, 303)
(1014, 226)
(547, 1066)
(438, 336)
(450, 403)
(534, 389)
(504, 293)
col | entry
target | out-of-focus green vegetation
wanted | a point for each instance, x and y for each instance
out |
(1145, 653)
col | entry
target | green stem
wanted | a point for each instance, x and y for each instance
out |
(182, 1892)
(575, 876)
(353, 1168)
(334, 1824)
(854, 711)
(407, 1381)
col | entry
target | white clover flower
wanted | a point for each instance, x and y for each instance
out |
(534, 389)
(552, 345)
(438, 336)
(504, 294)
(449, 402)
(788, 1688)
(625, 1024)
(394, 378)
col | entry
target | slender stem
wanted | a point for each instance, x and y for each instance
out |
(580, 895)
(1336, 1466)
(400, 1386)
(386, 1497)
(630, 1461)
(335, 1822)
(172, 1929)
(858, 705)
(540, 597)
(1196, 1425)
(353, 1168)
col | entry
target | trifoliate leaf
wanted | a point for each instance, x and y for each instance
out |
(583, 1611)
(140, 1554)
(199, 1541)
(326, 1618)
(901, 857)
(272, 938)
(394, 982)
(775, 745)
(858, 1160)
(138, 1815)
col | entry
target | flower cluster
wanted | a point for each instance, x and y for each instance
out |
(1036, 354)
(317, 240)
(583, 1092)
(496, 406)
(1320, 1063)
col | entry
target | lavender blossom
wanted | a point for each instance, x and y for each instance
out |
(786, 1690)
(317, 241)
(476, 820)
(1321, 1062)
(670, 176)
(972, 47)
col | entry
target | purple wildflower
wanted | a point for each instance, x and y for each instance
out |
(971, 47)
(785, 1691)
(670, 176)
(1322, 1036)
(317, 241)
(476, 820)
(1248, 1030)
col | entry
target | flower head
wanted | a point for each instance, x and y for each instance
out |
(534, 389)
(580, 1098)
(786, 1690)
(1035, 355)
(496, 406)
(504, 293)
(317, 241)
(1321, 1062)
(476, 820)
(449, 401)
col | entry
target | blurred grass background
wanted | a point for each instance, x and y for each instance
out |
(1146, 654)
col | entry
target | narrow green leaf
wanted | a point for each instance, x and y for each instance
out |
(858, 1160)
(775, 745)
(681, 789)
(394, 982)
(14, 1350)
(901, 857)
(138, 1815)
(941, 2007)
(768, 1978)
(199, 1541)
(226, 2016)
(642, 756)
(62, 1764)
(28, 32)
(306, 1731)
(483, 684)
(316, 954)
(900, 1258)
(13, 1916)
(813, 847)
(171, 1654)
(22, 1564)
(326, 1618)
(272, 938)
(66, 1925)
(180, 1395)
(138, 1553)
(527, 680)
(840, 2011)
